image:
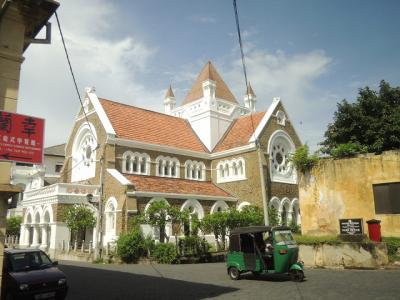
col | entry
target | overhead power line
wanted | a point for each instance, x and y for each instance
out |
(73, 76)
(243, 61)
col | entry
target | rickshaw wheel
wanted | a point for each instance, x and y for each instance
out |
(256, 273)
(234, 273)
(296, 275)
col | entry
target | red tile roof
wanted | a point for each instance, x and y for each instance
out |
(222, 90)
(240, 132)
(175, 186)
(147, 126)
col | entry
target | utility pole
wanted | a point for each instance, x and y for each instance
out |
(99, 224)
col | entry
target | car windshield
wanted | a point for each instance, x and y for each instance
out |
(25, 261)
(284, 237)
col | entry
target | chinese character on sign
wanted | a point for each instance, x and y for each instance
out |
(5, 122)
(29, 126)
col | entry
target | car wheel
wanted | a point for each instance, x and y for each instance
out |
(296, 275)
(234, 273)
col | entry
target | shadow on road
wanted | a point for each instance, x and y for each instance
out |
(98, 284)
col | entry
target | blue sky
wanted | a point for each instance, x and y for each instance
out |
(310, 53)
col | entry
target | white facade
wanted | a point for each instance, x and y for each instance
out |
(39, 228)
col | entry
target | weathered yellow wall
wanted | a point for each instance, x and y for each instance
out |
(342, 189)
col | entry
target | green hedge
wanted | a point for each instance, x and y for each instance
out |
(131, 246)
(317, 240)
(165, 253)
(392, 243)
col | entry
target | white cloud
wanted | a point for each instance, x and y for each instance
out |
(203, 19)
(112, 65)
(291, 77)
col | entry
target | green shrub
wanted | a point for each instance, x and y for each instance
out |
(392, 244)
(149, 245)
(316, 240)
(165, 253)
(302, 161)
(295, 228)
(347, 150)
(131, 246)
(13, 225)
(193, 245)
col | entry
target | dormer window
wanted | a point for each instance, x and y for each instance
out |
(167, 166)
(136, 163)
(195, 170)
(231, 170)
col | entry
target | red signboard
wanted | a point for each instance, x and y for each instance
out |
(21, 138)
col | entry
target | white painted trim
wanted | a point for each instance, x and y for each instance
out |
(156, 147)
(234, 151)
(101, 113)
(264, 120)
(218, 204)
(242, 204)
(118, 176)
(178, 151)
(179, 196)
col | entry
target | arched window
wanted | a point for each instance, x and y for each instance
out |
(84, 153)
(240, 168)
(128, 164)
(167, 166)
(110, 210)
(195, 170)
(136, 163)
(226, 170)
(235, 169)
(231, 170)
(280, 147)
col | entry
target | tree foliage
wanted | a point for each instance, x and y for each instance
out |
(220, 223)
(131, 246)
(13, 225)
(302, 160)
(157, 215)
(370, 124)
(79, 218)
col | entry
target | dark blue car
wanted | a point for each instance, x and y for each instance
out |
(30, 274)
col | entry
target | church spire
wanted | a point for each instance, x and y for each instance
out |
(169, 101)
(250, 99)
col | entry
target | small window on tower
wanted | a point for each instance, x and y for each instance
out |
(58, 167)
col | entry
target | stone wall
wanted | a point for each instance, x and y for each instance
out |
(346, 255)
(342, 189)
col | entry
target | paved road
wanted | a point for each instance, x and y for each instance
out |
(203, 281)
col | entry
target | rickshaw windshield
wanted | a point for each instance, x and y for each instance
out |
(283, 237)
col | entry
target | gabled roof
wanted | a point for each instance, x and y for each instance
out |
(57, 150)
(239, 132)
(147, 126)
(155, 184)
(209, 72)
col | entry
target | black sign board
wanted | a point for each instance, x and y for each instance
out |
(351, 226)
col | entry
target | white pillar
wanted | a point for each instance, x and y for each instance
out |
(22, 237)
(35, 241)
(43, 228)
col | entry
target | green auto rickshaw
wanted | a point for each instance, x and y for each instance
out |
(263, 250)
